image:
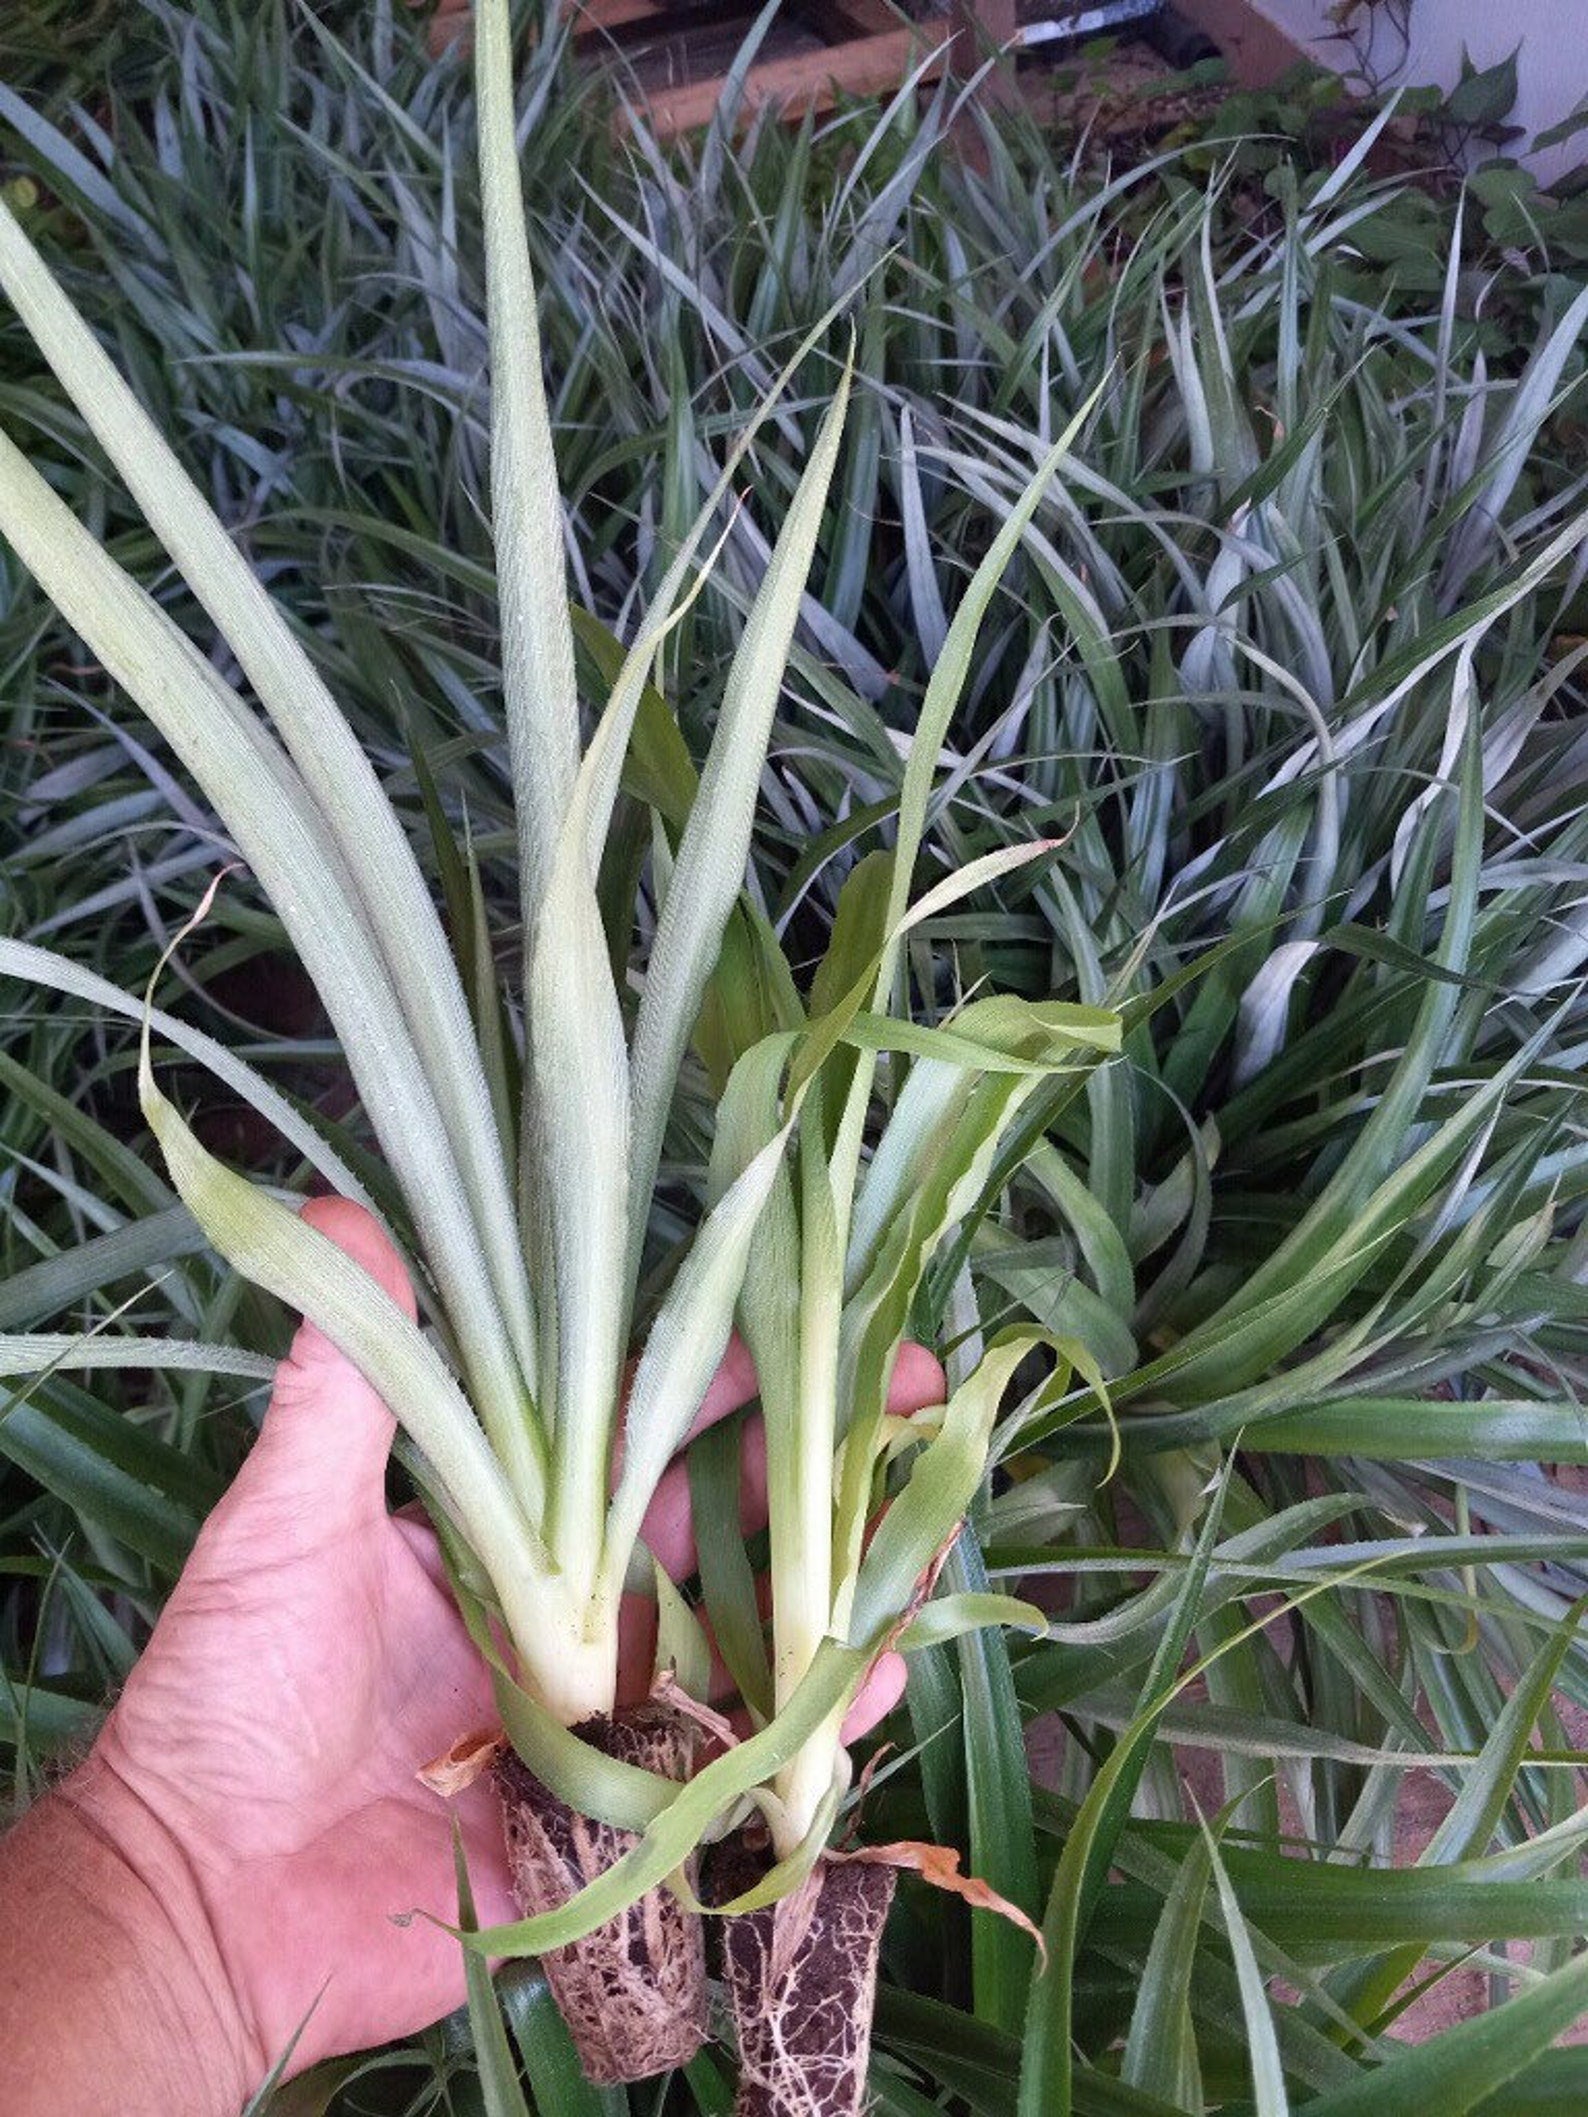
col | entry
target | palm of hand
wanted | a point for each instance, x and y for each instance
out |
(309, 1662)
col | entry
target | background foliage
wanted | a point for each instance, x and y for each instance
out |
(1291, 664)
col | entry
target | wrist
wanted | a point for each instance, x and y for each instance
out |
(144, 2017)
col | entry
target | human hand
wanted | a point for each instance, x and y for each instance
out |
(309, 1661)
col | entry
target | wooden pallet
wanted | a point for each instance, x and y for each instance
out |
(857, 48)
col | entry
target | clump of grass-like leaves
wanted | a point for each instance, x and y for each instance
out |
(1289, 661)
(527, 1216)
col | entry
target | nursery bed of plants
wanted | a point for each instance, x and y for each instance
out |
(1197, 595)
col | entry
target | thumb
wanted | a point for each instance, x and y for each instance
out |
(326, 1436)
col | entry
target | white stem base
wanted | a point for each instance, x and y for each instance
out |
(573, 1675)
(805, 1782)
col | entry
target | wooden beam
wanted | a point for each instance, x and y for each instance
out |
(452, 21)
(449, 24)
(981, 29)
(840, 20)
(876, 50)
(1258, 50)
(809, 81)
(591, 16)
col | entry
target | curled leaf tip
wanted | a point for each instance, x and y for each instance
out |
(667, 1690)
(939, 1866)
(458, 1767)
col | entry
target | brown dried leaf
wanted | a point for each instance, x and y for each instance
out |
(461, 1765)
(868, 1771)
(923, 1592)
(667, 1690)
(939, 1865)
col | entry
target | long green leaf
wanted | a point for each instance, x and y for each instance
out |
(499, 2082)
(272, 1246)
(708, 872)
(277, 829)
(1047, 2070)
(1160, 2055)
(526, 510)
(1262, 2044)
(1457, 2069)
(391, 892)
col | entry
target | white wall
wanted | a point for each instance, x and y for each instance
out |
(1552, 68)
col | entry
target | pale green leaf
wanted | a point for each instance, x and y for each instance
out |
(394, 903)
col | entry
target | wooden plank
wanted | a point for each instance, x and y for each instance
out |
(810, 81)
(449, 24)
(451, 21)
(594, 15)
(841, 20)
(874, 49)
(981, 28)
(1258, 51)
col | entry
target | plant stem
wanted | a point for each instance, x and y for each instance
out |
(800, 1467)
(579, 1680)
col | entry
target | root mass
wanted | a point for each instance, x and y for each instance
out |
(802, 1983)
(633, 1993)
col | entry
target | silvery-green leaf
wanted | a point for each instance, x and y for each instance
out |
(709, 870)
(42, 966)
(276, 826)
(44, 1352)
(271, 1245)
(526, 507)
(685, 1345)
(394, 903)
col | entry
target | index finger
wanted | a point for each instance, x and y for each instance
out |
(729, 1390)
(669, 1528)
(916, 1383)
